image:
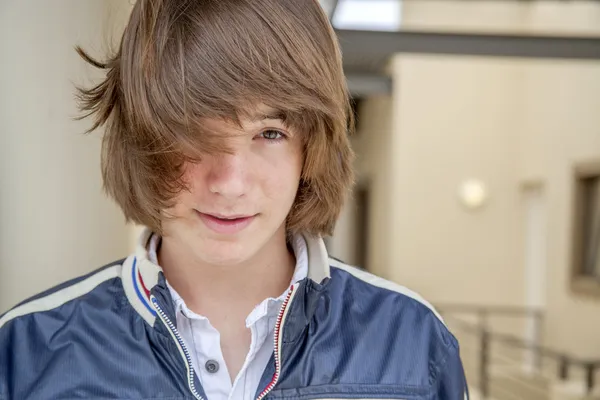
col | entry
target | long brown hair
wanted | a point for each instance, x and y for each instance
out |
(181, 61)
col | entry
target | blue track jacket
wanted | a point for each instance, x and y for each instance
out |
(341, 334)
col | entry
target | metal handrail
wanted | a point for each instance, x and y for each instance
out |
(486, 337)
(521, 343)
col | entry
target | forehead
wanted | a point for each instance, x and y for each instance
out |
(263, 112)
(246, 118)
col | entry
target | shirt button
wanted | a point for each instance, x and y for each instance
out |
(212, 366)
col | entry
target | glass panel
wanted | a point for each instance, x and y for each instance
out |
(327, 6)
(592, 227)
(377, 15)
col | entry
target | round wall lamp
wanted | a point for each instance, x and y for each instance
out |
(472, 194)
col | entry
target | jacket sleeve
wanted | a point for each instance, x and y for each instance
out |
(4, 362)
(452, 384)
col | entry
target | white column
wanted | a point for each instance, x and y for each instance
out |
(55, 222)
(534, 203)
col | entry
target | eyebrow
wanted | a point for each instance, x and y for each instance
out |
(270, 114)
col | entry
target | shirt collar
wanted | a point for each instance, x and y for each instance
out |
(142, 278)
(298, 245)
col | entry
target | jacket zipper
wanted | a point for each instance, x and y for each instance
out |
(181, 345)
(277, 337)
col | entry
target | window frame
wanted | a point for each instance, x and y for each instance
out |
(581, 283)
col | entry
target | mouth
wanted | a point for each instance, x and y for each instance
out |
(226, 224)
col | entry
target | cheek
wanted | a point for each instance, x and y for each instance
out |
(192, 177)
(178, 210)
(281, 181)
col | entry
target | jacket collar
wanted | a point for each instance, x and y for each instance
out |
(141, 277)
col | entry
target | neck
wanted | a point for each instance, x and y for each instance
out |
(235, 289)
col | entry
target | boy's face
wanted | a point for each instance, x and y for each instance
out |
(237, 203)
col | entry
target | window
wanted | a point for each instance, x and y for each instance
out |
(586, 235)
(328, 6)
(376, 15)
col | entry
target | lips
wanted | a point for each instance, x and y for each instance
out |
(227, 217)
(225, 224)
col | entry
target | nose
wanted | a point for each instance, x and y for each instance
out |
(228, 175)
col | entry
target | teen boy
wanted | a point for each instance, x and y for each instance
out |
(226, 134)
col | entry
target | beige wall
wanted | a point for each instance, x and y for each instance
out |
(574, 17)
(508, 122)
(54, 221)
(374, 163)
(456, 118)
(562, 128)
(344, 244)
(371, 144)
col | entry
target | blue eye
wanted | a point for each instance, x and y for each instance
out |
(272, 134)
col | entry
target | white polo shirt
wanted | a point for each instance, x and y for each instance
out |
(203, 340)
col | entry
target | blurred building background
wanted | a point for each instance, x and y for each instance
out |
(478, 162)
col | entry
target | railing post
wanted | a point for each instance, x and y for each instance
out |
(483, 319)
(563, 371)
(590, 371)
(537, 335)
(484, 364)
